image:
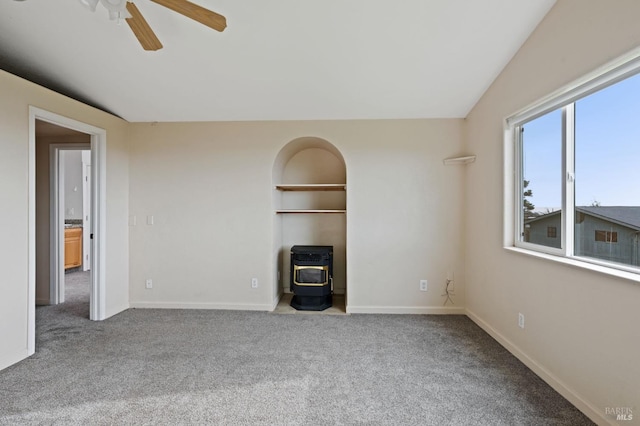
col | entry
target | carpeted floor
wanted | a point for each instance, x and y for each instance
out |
(248, 368)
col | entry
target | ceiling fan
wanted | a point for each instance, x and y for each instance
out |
(125, 9)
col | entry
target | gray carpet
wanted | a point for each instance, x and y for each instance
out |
(249, 368)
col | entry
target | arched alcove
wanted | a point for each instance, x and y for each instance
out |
(309, 198)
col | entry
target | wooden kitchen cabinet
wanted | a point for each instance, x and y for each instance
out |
(72, 247)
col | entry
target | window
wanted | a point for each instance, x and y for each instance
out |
(607, 236)
(576, 185)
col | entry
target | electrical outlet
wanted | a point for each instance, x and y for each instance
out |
(149, 283)
(423, 285)
(254, 283)
(520, 320)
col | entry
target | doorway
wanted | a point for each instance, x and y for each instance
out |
(70, 195)
(46, 226)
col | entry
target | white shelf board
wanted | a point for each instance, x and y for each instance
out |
(311, 186)
(460, 160)
(304, 211)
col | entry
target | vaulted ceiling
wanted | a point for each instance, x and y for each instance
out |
(276, 60)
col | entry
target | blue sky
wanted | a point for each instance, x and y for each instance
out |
(607, 150)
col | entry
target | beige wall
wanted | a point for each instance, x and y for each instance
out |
(581, 327)
(17, 95)
(209, 188)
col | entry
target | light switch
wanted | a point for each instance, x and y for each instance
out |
(150, 220)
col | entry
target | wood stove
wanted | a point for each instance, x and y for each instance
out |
(311, 277)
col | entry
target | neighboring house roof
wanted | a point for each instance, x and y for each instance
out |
(624, 215)
(628, 216)
(543, 216)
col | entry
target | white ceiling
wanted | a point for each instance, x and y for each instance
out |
(277, 59)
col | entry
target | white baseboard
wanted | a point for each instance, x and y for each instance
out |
(270, 307)
(9, 358)
(111, 312)
(221, 306)
(581, 404)
(415, 310)
(274, 303)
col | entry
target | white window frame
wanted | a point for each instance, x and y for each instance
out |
(564, 98)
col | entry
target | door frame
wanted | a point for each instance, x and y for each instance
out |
(98, 212)
(86, 209)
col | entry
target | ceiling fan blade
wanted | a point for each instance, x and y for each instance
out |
(195, 12)
(141, 29)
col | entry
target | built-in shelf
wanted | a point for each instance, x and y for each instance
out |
(304, 211)
(312, 187)
(460, 160)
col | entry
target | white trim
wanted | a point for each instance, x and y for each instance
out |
(511, 216)
(606, 75)
(56, 231)
(56, 218)
(212, 306)
(99, 161)
(581, 263)
(31, 268)
(276, 300)
(567, 215)
(86, 209)
(517, 180)
(12, 356)
(56, 226)
(553, 251)
(570, 394)
(98, 305)
(272, 306)
(407, 310)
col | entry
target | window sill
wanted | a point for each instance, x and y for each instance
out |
(612, 272)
